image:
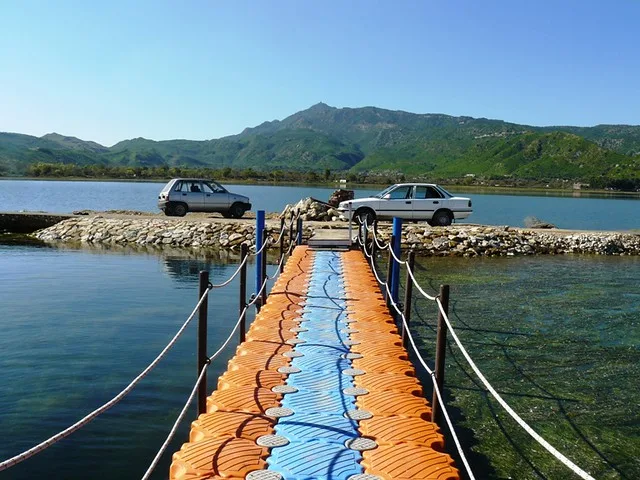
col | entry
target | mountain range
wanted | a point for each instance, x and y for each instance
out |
(367, 139)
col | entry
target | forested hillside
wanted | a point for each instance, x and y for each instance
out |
(360, 141)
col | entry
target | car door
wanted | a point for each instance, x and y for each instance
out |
(397, 203)
(216, 197)
(427, 199)
(190, 192)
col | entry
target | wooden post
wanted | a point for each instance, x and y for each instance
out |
(365, 236)
(299, 232)
(243, 292)
(373, 254)
(202, 356)
(263, 267)
(441, 350)
(408, 292)
(281, 244)
(291, 230)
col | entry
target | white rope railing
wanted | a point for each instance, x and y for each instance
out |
(183, 412)
(429, 371)
(235, 274)
(91, 416)
(568, 463)
(562, 458)
(88, 418)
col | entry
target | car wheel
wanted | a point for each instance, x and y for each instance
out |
(179, 209)
(167, 211)
(236, 210)
(441, 218)
(366, 214)
(226, 214)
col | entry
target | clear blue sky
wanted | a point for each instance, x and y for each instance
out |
(112, 70)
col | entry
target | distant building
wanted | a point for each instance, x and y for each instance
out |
(578, 186)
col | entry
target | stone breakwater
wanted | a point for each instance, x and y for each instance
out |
(459, 240)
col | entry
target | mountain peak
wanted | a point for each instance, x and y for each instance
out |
(321, 106)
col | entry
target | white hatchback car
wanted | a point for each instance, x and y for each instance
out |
(182, 195)
(410, 201)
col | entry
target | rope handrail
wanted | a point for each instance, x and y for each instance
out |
(88, 418)
(265, 242)
(562, 458)
(183, 412)
(550, 448)
(375, 237)
(230, 279)
(431, 374)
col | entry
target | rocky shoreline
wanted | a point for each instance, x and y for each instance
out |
(456, 240)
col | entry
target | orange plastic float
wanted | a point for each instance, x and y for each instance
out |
(408, 446)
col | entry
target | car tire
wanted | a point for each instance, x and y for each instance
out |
(179, 209)
(442, 218)
(226, 214)
(367, 214)
(236, 210)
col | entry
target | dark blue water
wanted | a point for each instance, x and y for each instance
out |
(571, 212)
(76, 328)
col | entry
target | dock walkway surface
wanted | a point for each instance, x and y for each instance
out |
(322, 388)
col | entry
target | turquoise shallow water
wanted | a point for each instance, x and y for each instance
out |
(558, 336)
(559, 339)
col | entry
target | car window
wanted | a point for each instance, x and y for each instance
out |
(216, 187)
(427, 192)
(207, 188)
(178, 187)
(400, 193)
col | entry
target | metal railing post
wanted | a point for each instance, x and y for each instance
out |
(350, 220)
(259, 240)
(263, 267)
(441, 350)
(202, 356)
(395, 272)
(244, 251)
(387, 295)
(408, 292)
(281, 244)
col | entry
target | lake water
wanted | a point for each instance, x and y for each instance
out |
(586, 212)
(78, 324)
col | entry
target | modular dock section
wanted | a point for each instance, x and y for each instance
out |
(321, 388)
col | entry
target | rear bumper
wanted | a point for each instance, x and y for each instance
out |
(460, 214)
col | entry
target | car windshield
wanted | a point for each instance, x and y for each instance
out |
(384, 192)
(216, 187)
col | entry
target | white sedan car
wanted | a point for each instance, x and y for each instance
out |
(410, 201)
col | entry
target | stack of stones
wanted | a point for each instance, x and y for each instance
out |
(459, 240)
(312, 209)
